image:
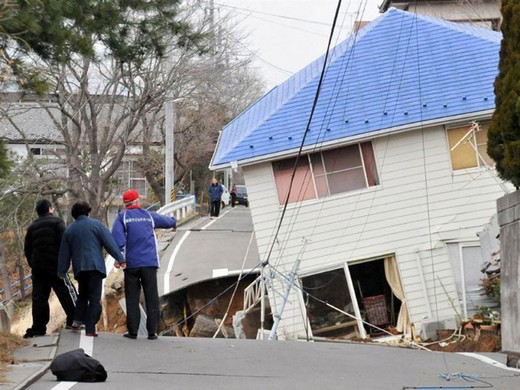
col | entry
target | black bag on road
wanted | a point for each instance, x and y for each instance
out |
(77, 366)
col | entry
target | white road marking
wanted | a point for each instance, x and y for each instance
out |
(166, 284)
(219, 272)
(87, 343)
(64, 385)
(488, 360)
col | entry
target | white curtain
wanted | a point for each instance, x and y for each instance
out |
(394, 280)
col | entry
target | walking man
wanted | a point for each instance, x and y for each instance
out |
(215, 191)
(83, 243)
(134, 233)
(41, 247)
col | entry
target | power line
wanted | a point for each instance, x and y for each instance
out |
(274, 15)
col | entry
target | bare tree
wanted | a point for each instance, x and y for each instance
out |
(106, 110)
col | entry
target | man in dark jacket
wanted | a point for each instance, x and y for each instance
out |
(215, 192)
(83, 243)
(134, 232)
(41, 247)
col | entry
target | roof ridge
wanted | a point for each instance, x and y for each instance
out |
(275, 122)
(335, 53)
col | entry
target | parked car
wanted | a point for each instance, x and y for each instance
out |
(226, 197)
(241, 197)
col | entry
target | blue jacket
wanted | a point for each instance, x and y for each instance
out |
(134, 233)
(215, 192)
(83, 243)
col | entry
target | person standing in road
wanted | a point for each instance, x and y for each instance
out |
(83, 243)
(233, 195)
(134, 232)
(41, 247)
(215, 191)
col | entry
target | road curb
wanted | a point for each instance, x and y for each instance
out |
(30, 380)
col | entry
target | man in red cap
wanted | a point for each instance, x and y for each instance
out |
(134, 233)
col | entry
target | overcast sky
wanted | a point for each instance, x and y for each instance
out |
(286, 35)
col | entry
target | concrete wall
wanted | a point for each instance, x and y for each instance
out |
(509, 220)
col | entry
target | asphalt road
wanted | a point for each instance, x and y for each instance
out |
(190, 363)
(206, 248)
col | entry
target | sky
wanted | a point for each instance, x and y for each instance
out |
(286, 35)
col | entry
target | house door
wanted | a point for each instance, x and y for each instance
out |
(378, 305)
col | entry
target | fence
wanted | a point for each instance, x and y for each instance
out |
(180, 209)
(17, 293)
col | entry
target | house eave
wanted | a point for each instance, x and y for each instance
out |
(479, 115)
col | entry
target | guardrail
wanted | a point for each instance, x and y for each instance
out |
(180, 209)
(19, 292)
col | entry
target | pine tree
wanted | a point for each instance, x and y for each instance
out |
(58, 30)
(504, 130)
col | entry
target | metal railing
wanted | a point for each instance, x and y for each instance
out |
(180, 209)
(17, 293)
(252, 294)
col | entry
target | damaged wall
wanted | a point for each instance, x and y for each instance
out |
(420, 203)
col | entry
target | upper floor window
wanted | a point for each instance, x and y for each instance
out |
(326, 173)
(130, 175)
(468, 147)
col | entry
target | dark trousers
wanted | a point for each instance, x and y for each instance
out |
(215, 208)
(42, 283)
(233, 199)
(134, 279)
(88, 307)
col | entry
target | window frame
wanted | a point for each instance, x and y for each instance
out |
(309, 161)
(481, 163)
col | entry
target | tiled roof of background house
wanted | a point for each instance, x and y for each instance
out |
(401, 69)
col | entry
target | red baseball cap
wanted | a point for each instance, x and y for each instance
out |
(130, 196)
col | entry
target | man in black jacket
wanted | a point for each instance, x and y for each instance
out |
(42, 245)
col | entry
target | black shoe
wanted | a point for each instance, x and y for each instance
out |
(152, 337)
(130, 336)
(30, 333)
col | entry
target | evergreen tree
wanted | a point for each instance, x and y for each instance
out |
(504, 130)
(58, 30)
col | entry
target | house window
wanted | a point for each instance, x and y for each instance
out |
(129, 175)
(302, 188)
(326, 173)
(468, 146)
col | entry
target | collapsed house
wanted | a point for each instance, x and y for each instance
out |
(384, 191)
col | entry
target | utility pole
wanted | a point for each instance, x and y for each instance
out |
(169, 152)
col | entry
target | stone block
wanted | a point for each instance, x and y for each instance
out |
(5, 320)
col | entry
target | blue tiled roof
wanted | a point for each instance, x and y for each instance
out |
(401, 69)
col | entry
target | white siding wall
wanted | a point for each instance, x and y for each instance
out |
(396, 217)
(460, 10)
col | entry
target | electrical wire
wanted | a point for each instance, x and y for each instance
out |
(315, 101)
(236, 287)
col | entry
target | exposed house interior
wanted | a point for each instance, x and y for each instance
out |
(373, 295)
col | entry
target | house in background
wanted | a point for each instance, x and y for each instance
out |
(481, 13)
(393, 183)
(28, 128)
